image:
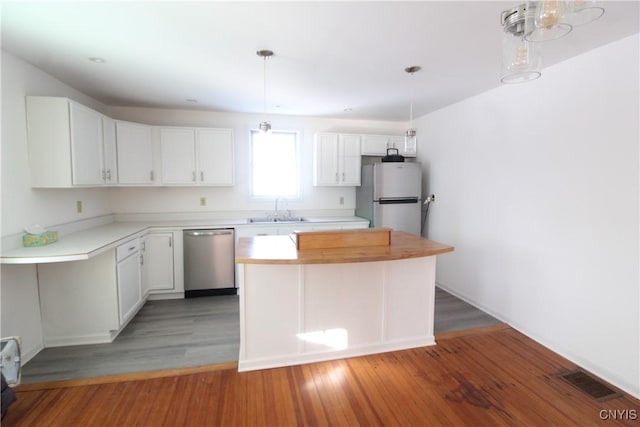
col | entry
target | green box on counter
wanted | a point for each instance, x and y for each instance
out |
(31, 240)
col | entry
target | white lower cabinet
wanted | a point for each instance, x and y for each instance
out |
(90, 301)
(129, 280)
(158, 262)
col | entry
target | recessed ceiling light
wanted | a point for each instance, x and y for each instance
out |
(191, 100)
(97, 60)
(346, 110)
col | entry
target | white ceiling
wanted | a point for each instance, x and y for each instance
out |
(329, 56)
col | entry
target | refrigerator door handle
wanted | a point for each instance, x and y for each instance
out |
(398, 200)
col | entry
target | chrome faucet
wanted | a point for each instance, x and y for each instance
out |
(276, 213)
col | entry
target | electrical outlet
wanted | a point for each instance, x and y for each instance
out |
(79, 206)
(342, 200)
(203, 201)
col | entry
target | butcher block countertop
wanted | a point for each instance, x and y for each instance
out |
(282, 250)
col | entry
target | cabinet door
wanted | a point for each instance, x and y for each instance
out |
(86, 145)
(158, 261)
(375, 145)
(326, 159)
(349, 160)
(135, 153)
(144, 273)
(215, 157)
(177, 148)
(110, 166)
(129, 291)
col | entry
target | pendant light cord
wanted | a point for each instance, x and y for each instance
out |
(264, 88)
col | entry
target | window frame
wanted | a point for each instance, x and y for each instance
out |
(298, 167)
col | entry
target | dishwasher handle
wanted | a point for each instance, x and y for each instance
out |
(198, 233)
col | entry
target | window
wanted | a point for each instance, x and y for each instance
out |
(274, 164)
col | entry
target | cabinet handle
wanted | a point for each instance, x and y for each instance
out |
(109, 174)
(151, 175)
(343, 177)
(170, 241)
(193, 176)
(132, 248)
(201, 176)
(104, 175)
(337, 179)
(141, 259)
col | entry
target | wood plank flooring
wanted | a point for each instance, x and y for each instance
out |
(492, 377)
(163, 335)
(188, 333)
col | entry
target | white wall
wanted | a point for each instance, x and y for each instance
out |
(537, 187)
(22, 206)
(236, 198)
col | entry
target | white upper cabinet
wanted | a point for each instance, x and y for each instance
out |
(135, 153)
(197, 156)
(110, 155)
(86, 145)
(215, 156)
(337, 159)
(377, 145)
(178, 153)
(66, 143)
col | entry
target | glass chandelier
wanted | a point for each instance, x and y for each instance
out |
(537, 21)
(521, 60)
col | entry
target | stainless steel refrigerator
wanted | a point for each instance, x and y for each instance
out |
(390, 195)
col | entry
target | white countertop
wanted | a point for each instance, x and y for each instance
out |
(82, 245)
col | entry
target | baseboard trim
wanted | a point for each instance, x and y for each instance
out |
(102, 338)
(324, 356)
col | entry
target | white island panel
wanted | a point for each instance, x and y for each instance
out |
(409, 298)
(343, 303)
(300, 313)
(270, 324)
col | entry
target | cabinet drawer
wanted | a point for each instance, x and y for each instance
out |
(126, 249)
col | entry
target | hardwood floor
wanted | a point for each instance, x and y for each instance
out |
(494, 377)
(191, 332)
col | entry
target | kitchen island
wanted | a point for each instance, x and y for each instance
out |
(306, 305)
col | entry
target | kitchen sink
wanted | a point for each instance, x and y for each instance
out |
(282, 219)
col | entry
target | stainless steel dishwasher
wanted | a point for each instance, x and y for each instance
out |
(209, 262)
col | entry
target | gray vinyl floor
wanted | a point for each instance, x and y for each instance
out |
(191, 332)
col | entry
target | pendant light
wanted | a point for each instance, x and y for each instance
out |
(410, 140)
(265, 125)
(521, 60)
(549, 22)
